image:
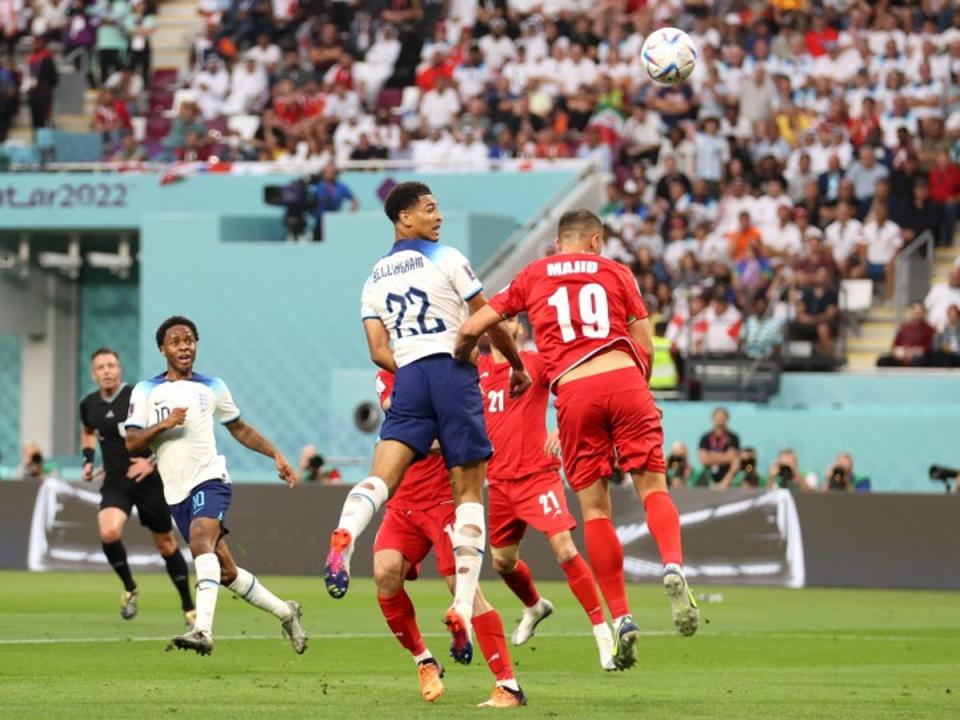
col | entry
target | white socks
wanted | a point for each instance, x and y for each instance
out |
(362, 504)
(468, 546)
(249, 588)
(208, 585)
(604, 638)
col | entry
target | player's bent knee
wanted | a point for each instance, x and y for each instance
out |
(111, 535)
(564, 549)
(504, 564)
(166, 544)
(388, 577)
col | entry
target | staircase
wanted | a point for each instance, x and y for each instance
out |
(178, 25)
(876, 333)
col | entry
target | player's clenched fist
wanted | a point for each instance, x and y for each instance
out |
(176, 418)
(519, 382)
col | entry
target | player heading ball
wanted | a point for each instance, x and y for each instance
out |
(412, 307)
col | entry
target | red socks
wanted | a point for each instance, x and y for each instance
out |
(489, 630)
(606, 557)
(664, 523)
(584, 587)
(402, 618)
(521, 582)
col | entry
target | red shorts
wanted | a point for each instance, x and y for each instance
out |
(606, 419)
(413, 532)
(538, 501)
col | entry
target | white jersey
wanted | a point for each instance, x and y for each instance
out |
(420, 292)
(186, 455)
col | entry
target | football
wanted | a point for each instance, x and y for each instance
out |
(668, 55)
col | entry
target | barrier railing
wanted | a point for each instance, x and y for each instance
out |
(912, 271)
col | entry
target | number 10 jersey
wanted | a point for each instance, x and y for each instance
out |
(186, 455)
(419, 291)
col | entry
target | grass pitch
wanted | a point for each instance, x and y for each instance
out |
(761, 653)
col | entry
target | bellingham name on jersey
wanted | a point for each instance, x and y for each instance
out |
(186, 455)
(419, 291)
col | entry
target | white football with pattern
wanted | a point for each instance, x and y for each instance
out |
(669, 56)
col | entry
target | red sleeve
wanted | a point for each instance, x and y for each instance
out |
(636, 310)
(384, 385)
(512, 300)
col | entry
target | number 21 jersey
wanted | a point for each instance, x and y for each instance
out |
(579, 305)
(419, 291)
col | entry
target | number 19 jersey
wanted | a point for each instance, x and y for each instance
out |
(419, 291)
(579, 305)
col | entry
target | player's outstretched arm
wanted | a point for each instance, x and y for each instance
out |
(249, 437)
(378, 342)
(137, 439)
(484, 319)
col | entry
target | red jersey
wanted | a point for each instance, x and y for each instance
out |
(426, 483)
(579, 305)
(517, 426)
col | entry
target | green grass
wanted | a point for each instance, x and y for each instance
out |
(761, 653)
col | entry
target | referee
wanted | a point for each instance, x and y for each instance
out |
(129, 481)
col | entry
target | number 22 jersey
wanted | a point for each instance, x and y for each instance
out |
(579, 305)
(419, 291)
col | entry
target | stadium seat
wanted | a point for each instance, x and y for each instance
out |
(244, 125)
(389, 98)
(410, 101)
(856, 296)
(158, 128)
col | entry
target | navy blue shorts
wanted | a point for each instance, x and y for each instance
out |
(876, 271)
(210, 499)
(438, 398)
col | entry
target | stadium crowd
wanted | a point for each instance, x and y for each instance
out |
(812, 142)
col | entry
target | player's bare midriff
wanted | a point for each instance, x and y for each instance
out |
(606, 361)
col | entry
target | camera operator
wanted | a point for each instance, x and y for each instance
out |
(748, 475)
(679, 471)
(944, 474)
(32, 465)
(719, 453)
(329, 195)
(785, 473)
(312, 468)
(840, 477)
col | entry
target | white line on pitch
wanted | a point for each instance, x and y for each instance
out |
(362, 636)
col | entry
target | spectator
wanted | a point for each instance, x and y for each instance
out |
(843, 237)
(249, 87)
(817, 312)
(128, 87)
(111, 18)
(186, 121)
(945, 191)
(440, 105)
(919, 214)
(680, 243)
(110, 117)
(196, 148)
(865, 172)
(762, 331)
(946, 347)
(743, 237)
(941, 297)
(719, 453)
(722, 323)
(799, 176)
(712, 153)
(785, 473)
(679, 470)
(210, 87)
(43, 81)
(129, 151)
(840, 477)
(140, 26)
(882, 240)
(330, 194)
(9, 98)
(32, 465)
(313, 468)
(267, 54)
(913, 342)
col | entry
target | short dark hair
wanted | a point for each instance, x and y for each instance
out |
(579, 220)
(404, 196)
(170, 322)
(104, 351)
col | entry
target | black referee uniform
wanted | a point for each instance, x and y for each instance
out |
(106, 417)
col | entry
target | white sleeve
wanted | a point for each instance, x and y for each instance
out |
(367, 311)
(226, 410)
(456, 268)
(137, 413)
